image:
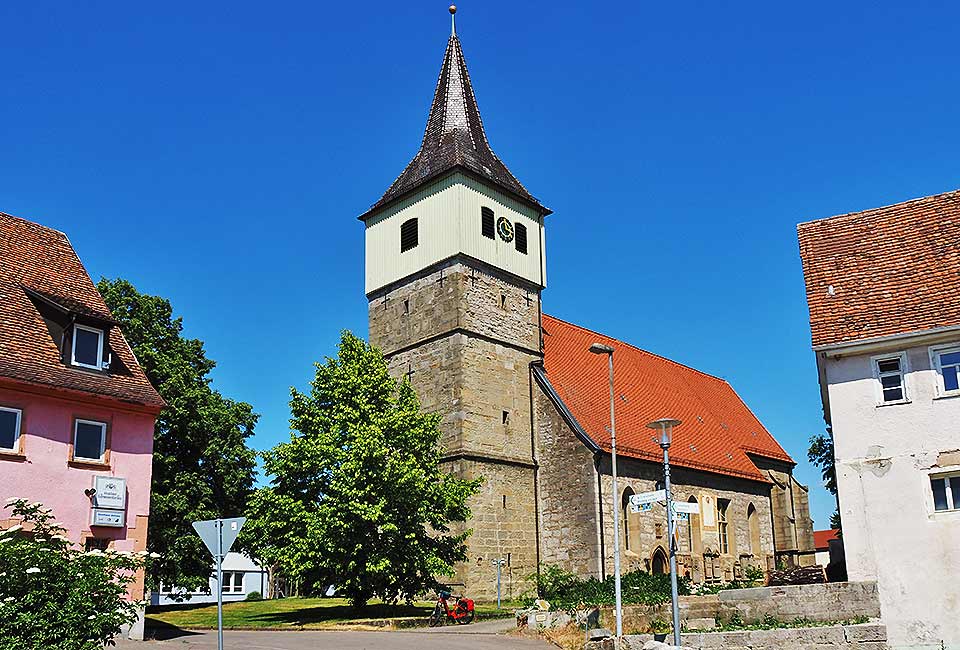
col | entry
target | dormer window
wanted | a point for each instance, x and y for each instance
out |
(87, 347)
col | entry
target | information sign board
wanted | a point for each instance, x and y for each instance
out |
(111, 492)
(108, 518)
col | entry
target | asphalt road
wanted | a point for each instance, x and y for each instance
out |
(480, 636)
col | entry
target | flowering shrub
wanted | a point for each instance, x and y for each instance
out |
(54, 595)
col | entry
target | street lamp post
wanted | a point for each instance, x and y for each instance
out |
(600, 348)
(665, 427)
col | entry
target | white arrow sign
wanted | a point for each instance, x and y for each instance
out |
(648, 497)
(689, 508)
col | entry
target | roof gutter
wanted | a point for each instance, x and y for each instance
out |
(863, 346)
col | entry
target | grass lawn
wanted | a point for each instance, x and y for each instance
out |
(299, 613)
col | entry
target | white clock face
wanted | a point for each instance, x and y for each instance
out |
(505, 229)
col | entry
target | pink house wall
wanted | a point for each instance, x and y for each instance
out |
(45, 474)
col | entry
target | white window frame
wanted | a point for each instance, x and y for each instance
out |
(231, 583)
(952, 499)
(103, 439)
(904, 371)
(935, 352)
(16, 438)
(73, 351)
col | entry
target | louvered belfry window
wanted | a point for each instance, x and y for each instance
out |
(408, 235)
(486, 222)
(520, 236)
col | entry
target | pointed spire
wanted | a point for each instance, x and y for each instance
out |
(454, 136)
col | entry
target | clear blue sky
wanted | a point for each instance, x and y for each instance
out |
(217, 153)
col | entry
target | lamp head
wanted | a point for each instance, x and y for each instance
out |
(600, 348)
(664, 429)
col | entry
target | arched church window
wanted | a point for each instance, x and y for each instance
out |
(625, 516)
(486, 222)
(520, 237)
(409, 237)
(753, 523)
(723, 524)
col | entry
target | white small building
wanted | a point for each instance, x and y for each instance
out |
(883, 288)
(241, 576)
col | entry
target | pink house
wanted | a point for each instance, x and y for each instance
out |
(76, 410)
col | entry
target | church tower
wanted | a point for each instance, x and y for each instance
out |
(455, 265)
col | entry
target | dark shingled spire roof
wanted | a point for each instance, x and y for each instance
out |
(454, 138)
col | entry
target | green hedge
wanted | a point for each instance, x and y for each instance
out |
(564, 590)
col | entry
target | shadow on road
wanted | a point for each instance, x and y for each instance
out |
(159, 631)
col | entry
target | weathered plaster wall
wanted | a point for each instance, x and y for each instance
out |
(891, 533)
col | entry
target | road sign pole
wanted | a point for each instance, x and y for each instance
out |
(219, 584)
(671, 524)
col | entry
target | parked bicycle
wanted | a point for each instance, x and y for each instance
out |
(462, 612)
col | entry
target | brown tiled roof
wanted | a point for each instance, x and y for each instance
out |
(886, 271)
(454, 138)
(39, 260)
(718, 429)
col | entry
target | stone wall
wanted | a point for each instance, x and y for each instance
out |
(865, 636)
(704, 559)
(465, 335)
(828, 602)
(792, 524)
(504, 526)
(568, 495)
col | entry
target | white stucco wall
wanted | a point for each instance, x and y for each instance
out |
(885, 455)
(448, 213)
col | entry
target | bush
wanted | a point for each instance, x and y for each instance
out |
(564, 590)
(253, 596)
(54, 595)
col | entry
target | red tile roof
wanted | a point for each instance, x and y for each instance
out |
(718, 429)
(40, 260)
(885, 271)
(821, 538)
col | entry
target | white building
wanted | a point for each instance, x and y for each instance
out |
(883, 288)
(241, 576)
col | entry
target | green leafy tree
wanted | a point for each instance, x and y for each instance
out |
(54, 595)
(202, 466)
(357, 496)
(820, 454)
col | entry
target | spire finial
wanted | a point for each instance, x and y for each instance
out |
(453, 20)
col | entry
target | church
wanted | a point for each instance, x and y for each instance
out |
(455, 271)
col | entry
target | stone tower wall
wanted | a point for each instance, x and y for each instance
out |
(465, 335)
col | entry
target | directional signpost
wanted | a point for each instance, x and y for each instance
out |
(686, 508)
(648, 497)
(219, 535)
